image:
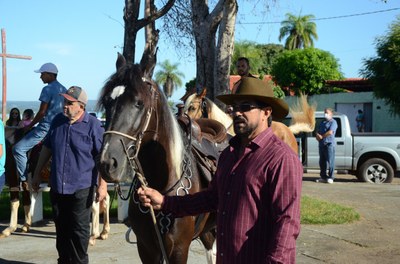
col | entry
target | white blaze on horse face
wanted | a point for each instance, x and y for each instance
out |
(117, 91)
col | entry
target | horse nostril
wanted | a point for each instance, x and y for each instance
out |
(114, 164)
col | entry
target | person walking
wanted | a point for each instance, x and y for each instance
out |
(50, 105)
(256, 190)
(326, 138)
(74, 141)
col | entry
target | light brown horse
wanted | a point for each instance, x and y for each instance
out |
(12, 135)
(303, 117)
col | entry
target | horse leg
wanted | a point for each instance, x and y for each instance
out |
(95, 223)
(26, 201)
(13, 219)
(208, 240)
(105, 204)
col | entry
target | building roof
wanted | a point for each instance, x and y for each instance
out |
(352, 84)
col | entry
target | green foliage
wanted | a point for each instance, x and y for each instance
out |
(278, 92)
(318, 212)
(249, 50)
(5, 210)
(269, 53)
(261, 56)
(384, 69)
(305, 70)
(299, 31)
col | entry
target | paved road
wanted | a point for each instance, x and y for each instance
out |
(373, 239)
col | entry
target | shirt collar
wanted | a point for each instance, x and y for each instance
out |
(260, 141)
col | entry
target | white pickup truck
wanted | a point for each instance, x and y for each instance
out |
(371, 157)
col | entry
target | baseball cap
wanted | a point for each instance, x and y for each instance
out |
(75, 94)
(48, 67)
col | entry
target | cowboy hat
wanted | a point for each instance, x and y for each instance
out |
(254, 89)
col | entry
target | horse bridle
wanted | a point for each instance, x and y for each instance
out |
(134, 160)
(137, 141)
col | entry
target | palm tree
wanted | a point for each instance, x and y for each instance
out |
(169, 77)
(300, 31)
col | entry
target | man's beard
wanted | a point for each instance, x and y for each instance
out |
(242, 128)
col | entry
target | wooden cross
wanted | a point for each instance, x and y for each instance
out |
(3, 56)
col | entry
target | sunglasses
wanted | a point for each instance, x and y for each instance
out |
(15, 113)
(244, 107)
(66, 102)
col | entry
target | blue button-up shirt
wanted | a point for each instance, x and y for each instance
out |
(74, 148)
(324, 127)
(51, 95)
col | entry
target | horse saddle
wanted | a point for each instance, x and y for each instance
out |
(208, 139)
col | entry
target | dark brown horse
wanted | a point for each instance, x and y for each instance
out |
(143, 137)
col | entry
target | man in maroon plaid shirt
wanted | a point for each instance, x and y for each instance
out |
(257, 187)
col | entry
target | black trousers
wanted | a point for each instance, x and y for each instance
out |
(71, 215)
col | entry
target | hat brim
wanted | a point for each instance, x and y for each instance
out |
(69, 98)
(280, 108)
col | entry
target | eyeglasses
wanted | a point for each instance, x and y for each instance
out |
(244, 107)
(15, 113)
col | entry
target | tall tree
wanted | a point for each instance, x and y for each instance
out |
(169, 77)
(384, 69)
(306, 70)
(133, 24)
(299, 31)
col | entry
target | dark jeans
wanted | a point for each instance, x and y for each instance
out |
(327, 160)
(72, 218)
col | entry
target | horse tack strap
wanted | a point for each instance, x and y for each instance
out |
(120, 134)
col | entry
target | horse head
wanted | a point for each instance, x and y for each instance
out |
(129, 100)
(196, 105)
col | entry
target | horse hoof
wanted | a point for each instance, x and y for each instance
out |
(7, 232)
(104, 236)
(92, 241)
(25, 228)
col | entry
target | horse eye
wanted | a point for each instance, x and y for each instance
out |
(139, 104)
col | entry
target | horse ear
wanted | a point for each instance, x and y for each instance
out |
(203, 92)
(120, 61)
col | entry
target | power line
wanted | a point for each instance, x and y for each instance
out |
(325, 18)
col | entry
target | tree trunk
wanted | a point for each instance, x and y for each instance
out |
(133, 25)
(225, 48)
(205, 25)
(149, 57)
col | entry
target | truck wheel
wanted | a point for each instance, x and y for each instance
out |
(375, 171)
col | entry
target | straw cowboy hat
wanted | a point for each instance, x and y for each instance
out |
(255, 89)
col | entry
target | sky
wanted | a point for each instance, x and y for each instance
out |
(82, 37)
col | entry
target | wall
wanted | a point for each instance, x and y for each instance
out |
(382, 120)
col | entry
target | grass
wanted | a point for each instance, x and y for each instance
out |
(47, 214)
(313, 211)
(317, 212)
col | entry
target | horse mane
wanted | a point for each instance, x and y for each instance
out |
(131, 77)
(176, 144)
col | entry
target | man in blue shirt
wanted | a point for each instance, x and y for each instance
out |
(74, 141)
(326, 138)
(51, 104)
